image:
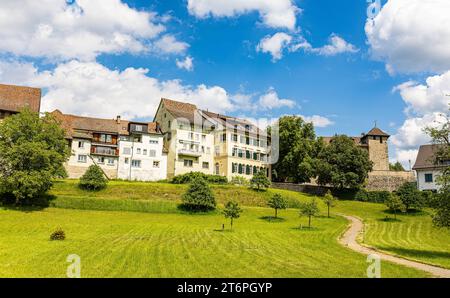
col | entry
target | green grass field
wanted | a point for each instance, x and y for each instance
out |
(128, 244)
(155, 239)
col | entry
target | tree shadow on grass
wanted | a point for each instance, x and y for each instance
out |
(39, 204)
(272, 219)
(411, 212)
(389, 219)
(416, 252)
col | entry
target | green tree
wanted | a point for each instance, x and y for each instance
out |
(396, 167)
(309, 209)
(260, 181)
(32, 153)
(93, 179)
(297, 150)
(232, 211)
(410, 196)
(395, 204)
(343, 164)
(277, 202)
(199, 196)
(329, 200)
(441, 136)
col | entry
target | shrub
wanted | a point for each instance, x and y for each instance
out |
(93, 179)
(395, 204)
(410, 196)
(189, 177)
(260, 181)
(239, 180)
(372, 196)
(277, 202)
(58, 235)
(199, 197)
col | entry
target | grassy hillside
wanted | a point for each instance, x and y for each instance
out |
(412, 236)
(127, 244)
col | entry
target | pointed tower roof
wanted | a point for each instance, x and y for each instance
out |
(377, 132)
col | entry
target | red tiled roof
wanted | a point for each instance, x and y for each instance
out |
(78, 126)
(15, 98)
(376, 132)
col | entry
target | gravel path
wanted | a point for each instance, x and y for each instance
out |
(349, 240)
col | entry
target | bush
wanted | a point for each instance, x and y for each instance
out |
(58, 235)
(239, 180)
(260, 181)
(372, 196)
(198, 197)
(410, 196)
(93, 179)
(189, 177)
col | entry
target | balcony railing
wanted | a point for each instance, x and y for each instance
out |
(104, 151)
(189, 152)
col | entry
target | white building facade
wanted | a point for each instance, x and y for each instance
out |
(428, 168)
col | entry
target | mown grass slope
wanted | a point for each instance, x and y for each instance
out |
(412, 236)
(128, 244)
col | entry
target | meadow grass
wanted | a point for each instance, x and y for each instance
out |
(412, 235)
(128, 244)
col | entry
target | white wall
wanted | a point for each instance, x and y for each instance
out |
(422, 185)
(147, 171)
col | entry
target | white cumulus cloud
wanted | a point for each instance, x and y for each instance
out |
(187, 63)
(270, 100)
(317, 120)
(337, 45)
(275, 14)
(274, 44)
(411, 35)
(82, 29)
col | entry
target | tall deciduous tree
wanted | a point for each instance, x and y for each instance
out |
(410, 196)
(396, 167)
(441, 136)
(32, 153)
(297, 150)
(260, 181)
(395, 204)
(343, 164)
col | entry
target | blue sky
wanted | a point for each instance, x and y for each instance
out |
(120, 56)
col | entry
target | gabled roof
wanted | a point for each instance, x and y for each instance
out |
(426, 157)
(377, 132)
(14, 98)
(180, 109)
(82, 127)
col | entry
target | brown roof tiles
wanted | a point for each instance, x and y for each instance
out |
(426, 157)
(15, 98)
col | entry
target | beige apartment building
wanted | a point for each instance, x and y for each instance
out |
(211, 143)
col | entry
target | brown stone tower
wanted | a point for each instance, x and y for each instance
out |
(376, 142)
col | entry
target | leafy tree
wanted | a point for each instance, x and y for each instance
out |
(441, 136)
(396, 167)
(410, 196)
(343, 164)
(232, 211)
(260, 181)
(297, 150)
(277, 202)
(32, 153)
(329, 200)
(199, 196)
(309, 209)
(394, 203)
(93, 179)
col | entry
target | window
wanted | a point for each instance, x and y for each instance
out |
(168, 124)
(138, 151)
(82, 158)
(203, 138)
(235, 138)
(152, 153)
(156, 164)
(233, 167)
(234, 152)
(80, 144)
(247, 140)
(135, 163)
(138, 127)
(153, 141)
(255, 170)
(127, 151)
(248, 170)
(205, 165)
(240, 153)
(248, 154)
(241, 169)
(223, 138)
(217, 169)
(255, 156)
(110, 161)
(101, 160)
(127, 160)
(188, 163)
(429, 178)
(242, 139)
(190, 136)
(197, 137)
(208, 150)
(137, 139)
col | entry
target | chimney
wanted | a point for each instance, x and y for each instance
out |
(118, 119)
